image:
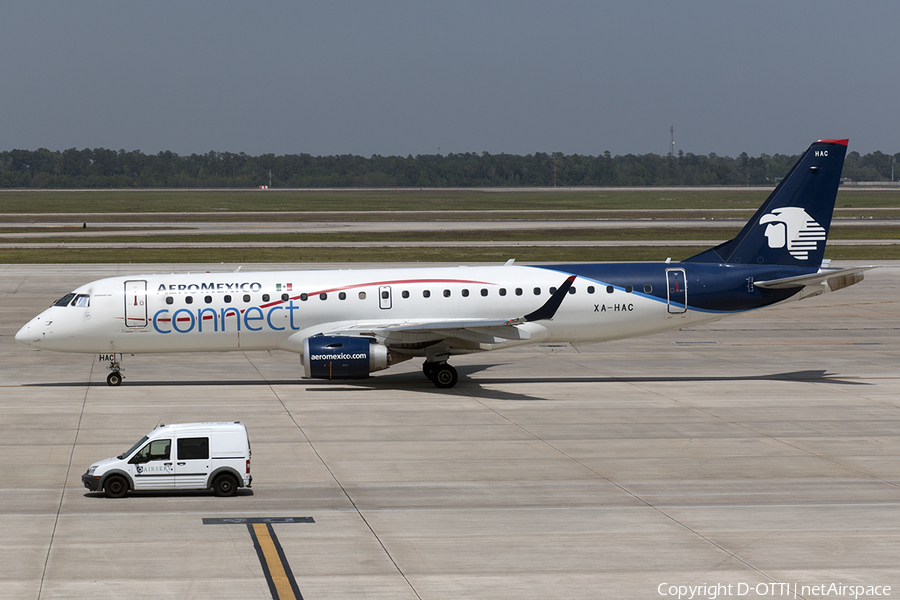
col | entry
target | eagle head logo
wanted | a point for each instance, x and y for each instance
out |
(792, 227)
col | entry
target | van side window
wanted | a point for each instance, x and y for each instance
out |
(193, 448)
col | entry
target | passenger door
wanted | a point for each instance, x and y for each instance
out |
(151, 466)
(136, 303)
(192, 463)
(677, 291)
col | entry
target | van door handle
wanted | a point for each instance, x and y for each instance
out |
(181, 464)
(167, 464)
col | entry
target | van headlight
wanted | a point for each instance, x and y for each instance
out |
(91, 470)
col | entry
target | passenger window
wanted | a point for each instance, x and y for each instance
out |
(502, 291)
(518, 291)
(648, 288)
(342, 296)
(265, 297)
(465, 293)
(590, 289)
(385, 295)
(323, 296)
(171, 300)
(405, 294)
(426, 294)
(629, 289)
(537, 291)
(446, 293)
(246, 297)
(227, 298)
(155, 450)
(552, 290)
(193, 448)
(484, 291)
(303, 297)
(362, 295)
(189, 300)
(285, 297)
(64, 301)
(572, 290)
(207, 299)
(610, 289)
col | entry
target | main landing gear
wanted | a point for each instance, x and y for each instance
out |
(441, 374)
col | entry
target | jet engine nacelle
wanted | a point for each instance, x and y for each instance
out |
(345, 357)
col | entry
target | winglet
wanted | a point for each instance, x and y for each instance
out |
(550, 306)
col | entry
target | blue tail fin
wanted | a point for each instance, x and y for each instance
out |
(792, 225)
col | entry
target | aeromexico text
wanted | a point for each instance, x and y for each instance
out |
(175, 288)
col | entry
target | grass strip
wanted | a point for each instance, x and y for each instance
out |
(127, 202)
(381, 254)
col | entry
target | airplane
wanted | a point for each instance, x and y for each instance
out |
(347, 324)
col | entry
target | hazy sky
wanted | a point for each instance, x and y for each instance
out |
(410, 77)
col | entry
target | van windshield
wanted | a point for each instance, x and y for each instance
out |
(133, 448)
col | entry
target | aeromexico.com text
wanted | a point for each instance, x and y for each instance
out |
(338, 356)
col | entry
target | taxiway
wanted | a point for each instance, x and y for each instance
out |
(762, 449)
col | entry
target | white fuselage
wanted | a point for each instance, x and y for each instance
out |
(277, 310)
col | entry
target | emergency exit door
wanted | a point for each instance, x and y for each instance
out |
(384, 296)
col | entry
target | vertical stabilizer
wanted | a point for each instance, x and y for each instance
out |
(792, 225)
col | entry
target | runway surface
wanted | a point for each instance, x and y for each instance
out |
(761, 450)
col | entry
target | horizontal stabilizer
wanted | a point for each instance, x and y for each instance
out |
(836, 279)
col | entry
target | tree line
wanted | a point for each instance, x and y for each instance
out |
(103, 168)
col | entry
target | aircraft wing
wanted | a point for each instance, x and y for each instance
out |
(835, 278)
(472, 330)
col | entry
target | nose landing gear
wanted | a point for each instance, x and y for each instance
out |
(115, 376)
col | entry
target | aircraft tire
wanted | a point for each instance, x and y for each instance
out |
(114, 378)
(445, 376)
(428, 368)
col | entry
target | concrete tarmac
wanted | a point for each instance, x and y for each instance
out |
(761, 451)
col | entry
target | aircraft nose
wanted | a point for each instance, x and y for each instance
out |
(28, 334)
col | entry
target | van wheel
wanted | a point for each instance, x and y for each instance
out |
(115, 487)
(225, 485)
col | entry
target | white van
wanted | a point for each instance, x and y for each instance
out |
(184, 456)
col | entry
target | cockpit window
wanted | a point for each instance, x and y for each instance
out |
(64, 301)
(82, 300)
